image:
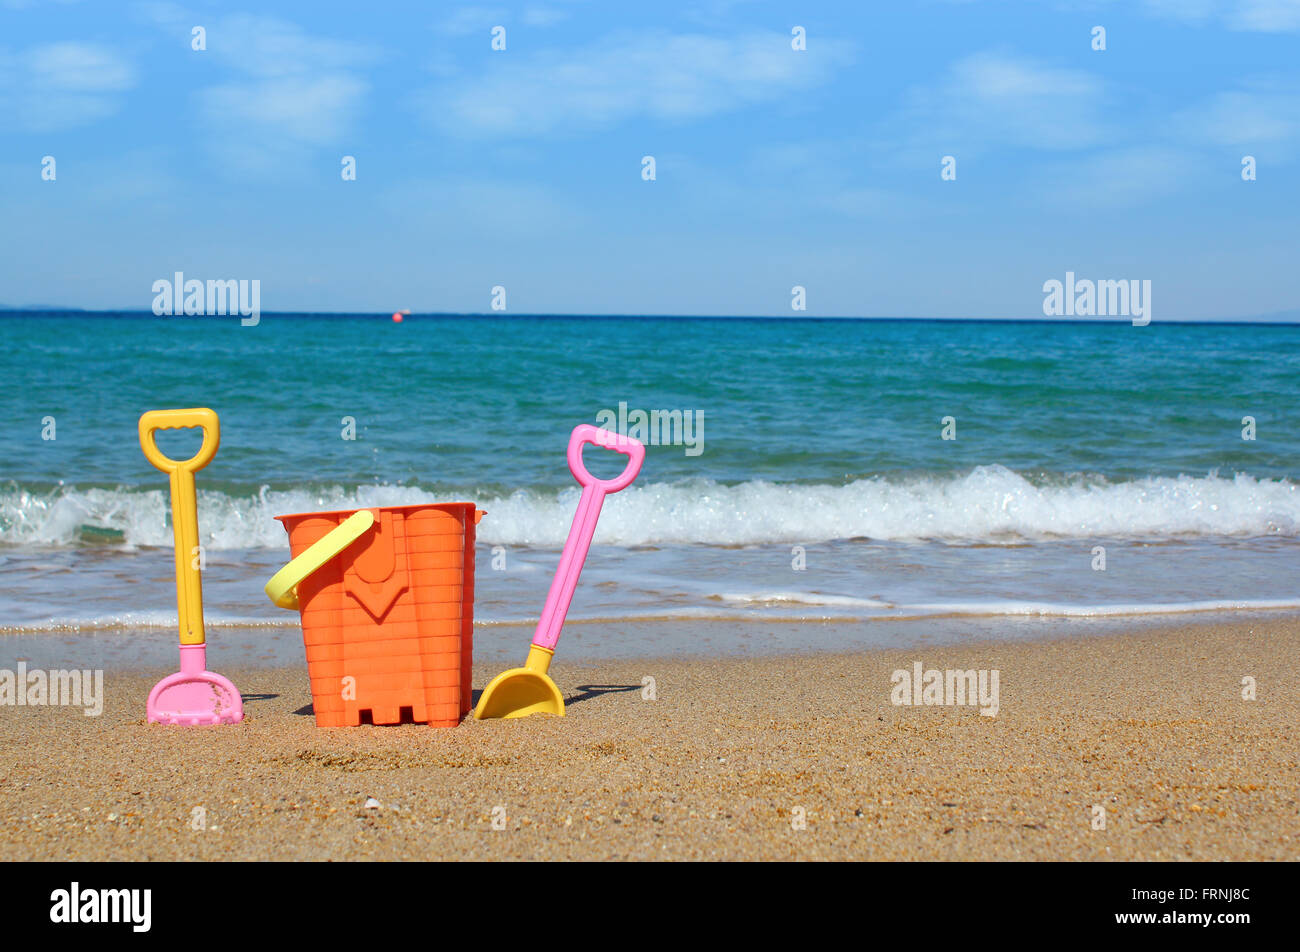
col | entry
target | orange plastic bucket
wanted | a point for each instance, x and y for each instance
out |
(388, 623)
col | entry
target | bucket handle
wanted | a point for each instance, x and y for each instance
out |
(283, 587)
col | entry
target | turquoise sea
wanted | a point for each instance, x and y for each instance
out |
(813, 482)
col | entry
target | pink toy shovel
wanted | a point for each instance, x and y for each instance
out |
(193, 695)
(520, 692)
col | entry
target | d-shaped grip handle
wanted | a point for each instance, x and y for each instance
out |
(585, 433)
(156, 420)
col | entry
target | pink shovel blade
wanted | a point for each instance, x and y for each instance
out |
(194, 695)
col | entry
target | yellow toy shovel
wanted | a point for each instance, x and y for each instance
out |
(519, 692)
(193, 695)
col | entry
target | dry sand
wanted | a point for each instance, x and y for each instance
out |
(1151, 726)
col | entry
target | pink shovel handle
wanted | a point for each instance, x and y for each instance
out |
(594, 492)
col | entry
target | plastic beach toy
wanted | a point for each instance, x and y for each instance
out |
(194, 695)
(520, 692)
(386, 597)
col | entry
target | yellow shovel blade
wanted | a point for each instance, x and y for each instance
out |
(520, 692)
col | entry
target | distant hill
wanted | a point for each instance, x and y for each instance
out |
(39, 307)
(1278, 317)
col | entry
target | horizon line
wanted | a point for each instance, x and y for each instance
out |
(1274, 318)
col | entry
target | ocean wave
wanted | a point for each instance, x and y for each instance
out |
(990, 504)
(800, 598)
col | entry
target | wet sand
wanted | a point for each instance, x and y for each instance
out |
(797, 757)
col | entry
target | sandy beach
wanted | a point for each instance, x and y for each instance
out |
(769, 758)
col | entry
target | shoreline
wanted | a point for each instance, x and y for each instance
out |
(1149, 725)
(593, 642)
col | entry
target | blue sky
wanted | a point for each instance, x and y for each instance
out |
(775, 167)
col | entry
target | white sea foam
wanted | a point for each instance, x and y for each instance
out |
(142, 621)
(996, 608)
(801, 598)
(990, 504)
(873, 608)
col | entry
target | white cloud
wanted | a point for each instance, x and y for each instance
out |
(1262, 16)
(162, 13)
(993, 99)
(1245, 119)
(269, 47)
(79, 67)
(1118, 177)
(58, 85)
(996, 100)
(472, 19)
(657, 76)
(1267, 16)
(309, 110)
(1192, 11)
(28, 4)
(544, 16)
(1260, 118)
(289, 90)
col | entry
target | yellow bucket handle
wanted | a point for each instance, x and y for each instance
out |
(283, 587)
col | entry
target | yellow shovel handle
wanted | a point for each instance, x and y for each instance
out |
(283, 587)
(185, 515)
